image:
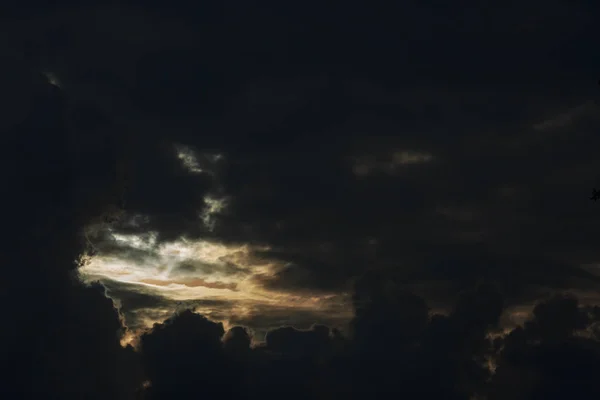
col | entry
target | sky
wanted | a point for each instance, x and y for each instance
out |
(231, 199)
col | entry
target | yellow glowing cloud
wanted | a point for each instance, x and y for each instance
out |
(190, 270)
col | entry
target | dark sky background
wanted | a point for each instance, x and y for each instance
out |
(316, 200)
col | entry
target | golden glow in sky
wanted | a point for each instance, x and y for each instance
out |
(185, 270)
(225, 282)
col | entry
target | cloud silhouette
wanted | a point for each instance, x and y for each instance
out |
(355, 201)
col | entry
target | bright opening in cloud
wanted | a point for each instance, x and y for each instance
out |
(188, 270)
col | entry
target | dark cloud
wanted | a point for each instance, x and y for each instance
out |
(237, 340)
(294, 343)
(185, 357)
(421, 158)
(262, 319)
(549, 357)
(61, 338)
(394, 349)
(164, 190)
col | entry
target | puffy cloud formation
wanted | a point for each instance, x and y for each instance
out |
(209, 200)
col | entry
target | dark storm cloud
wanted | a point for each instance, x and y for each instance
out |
(262, 319)
(479, 193)
(161, 188)
(534, 358)
(438, 146)
(184, 350)
(294, 342)
(61, 338)
(394, 348)
(294, 140)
